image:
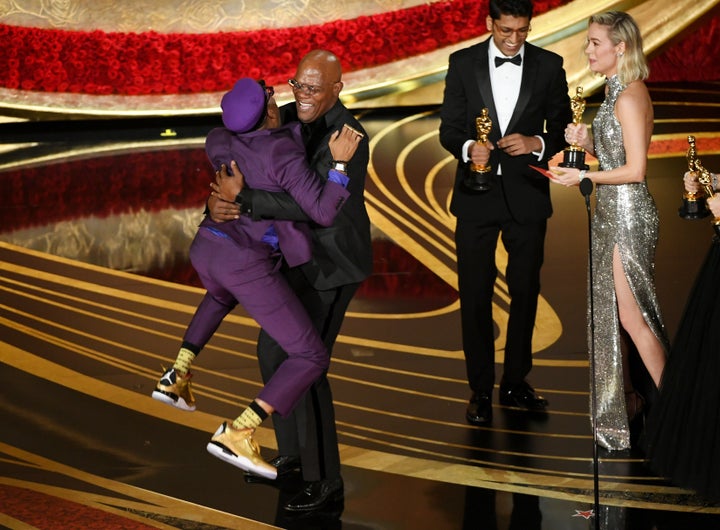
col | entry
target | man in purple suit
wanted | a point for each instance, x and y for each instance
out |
(239, 262)
(342, 259)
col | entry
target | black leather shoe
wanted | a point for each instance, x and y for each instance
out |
(522, 396)
(287, 466)
(317, 495)
(479, 410)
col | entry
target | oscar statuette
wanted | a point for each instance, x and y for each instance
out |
(574, 156)
(693, 204)
(479, 177)
(705, 180)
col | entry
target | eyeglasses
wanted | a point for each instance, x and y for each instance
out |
(310, 90)
(507, 32)
(269, 90)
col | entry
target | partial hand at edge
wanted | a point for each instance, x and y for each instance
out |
(344, 143)
(228, 185)
(713, 204)
(479, 153)
(565, 175)
(690, 180)
(517, 144)
(221, 203)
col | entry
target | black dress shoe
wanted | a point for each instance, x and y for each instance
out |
(522, 396)
(288, 467)
(316, 495)
(479, 410)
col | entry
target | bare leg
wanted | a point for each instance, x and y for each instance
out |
(631, 319)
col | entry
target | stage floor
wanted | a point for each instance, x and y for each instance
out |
(97, 291)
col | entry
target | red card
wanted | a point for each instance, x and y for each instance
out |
(544, 171)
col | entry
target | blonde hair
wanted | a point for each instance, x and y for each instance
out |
(632, 64)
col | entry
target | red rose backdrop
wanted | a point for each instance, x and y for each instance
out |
(153, 63)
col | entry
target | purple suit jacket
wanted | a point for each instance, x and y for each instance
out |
(275, 160)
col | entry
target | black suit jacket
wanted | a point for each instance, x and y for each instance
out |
(342, 253)
(543, 108)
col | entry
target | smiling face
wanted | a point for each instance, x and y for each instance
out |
(602, 54)
(509, 33)
(316, 85)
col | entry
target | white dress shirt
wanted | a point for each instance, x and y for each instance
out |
(505, 81)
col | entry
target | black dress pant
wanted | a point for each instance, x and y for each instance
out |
(310, 430)
(476, 243)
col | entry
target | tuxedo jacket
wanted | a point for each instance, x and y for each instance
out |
(342, 252)
(274, 160)
(542, 108)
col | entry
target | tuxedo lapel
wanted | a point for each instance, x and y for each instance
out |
(315, 137)
(530, 71)
(482, 76)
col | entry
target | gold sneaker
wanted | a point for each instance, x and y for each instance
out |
(237, 447)
(175, 390)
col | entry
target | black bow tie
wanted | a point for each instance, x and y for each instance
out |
(517, 60)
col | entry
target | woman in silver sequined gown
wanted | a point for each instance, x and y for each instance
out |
(624, 225)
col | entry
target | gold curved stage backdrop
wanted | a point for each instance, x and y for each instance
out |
(187, 16)
(413, 81)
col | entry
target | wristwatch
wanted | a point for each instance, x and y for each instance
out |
(339, 165)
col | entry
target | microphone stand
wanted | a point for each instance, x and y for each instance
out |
(586, 188)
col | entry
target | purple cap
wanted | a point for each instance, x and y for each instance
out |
(243, 106)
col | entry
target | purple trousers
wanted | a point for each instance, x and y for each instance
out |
(234, 274)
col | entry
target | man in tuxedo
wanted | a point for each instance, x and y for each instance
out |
(342, 259)
(525, 91)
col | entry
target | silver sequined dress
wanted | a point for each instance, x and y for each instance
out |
(625, 216)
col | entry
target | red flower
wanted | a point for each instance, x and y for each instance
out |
(152, 63)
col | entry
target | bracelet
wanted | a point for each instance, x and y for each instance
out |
(582, 174)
